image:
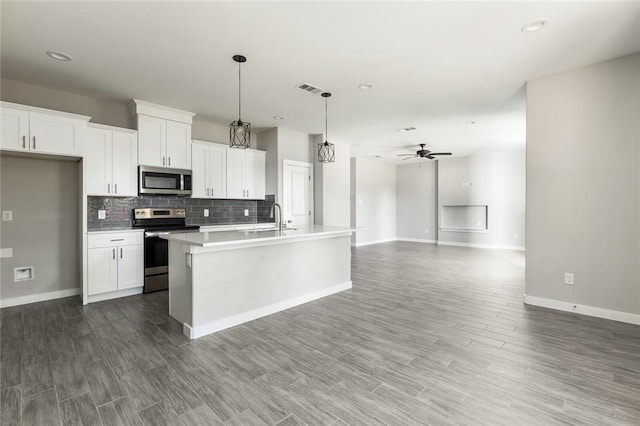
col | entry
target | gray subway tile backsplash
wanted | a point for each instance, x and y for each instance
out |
(221, 212)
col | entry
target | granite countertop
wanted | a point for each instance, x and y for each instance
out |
(248, 238)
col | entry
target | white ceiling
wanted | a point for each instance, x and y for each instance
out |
(434, 65)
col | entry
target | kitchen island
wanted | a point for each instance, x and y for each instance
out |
(221, 279)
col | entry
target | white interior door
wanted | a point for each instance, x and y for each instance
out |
(297, 188)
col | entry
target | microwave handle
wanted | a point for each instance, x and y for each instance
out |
(169, 161)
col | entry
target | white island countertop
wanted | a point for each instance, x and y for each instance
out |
(200, 242)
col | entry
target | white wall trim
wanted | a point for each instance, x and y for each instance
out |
(212, 327)
(481, 246)
(40, 297)
(417, 240)
(368, 243)
(114, 294)
(591, 311)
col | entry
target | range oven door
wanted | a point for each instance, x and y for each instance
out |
(156, 263)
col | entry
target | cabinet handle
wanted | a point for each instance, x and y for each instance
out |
(34, 142)
(114, 254)
(247, 193)
(115, 185)
(212, 192)
(118, 239)
(163, 161)
(207, 192)
(169, 161)
(108, 188)
(24, 142)
(120, 252)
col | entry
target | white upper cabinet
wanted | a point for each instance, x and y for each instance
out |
(209, 168)
(41, 131)
(164, 135)
(111, 161)
(246, 174)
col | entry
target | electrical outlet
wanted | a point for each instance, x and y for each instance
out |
(102, 214)
(7, 215)
(568, 278)
(206, 212)
(246, 212)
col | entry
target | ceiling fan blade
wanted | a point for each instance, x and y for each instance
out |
(403, 155)
(430, 157)
(439, 153)
(408, 158)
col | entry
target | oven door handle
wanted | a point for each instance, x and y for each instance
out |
(155, 234)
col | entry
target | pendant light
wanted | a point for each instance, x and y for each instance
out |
(239, 131)
(326, 150)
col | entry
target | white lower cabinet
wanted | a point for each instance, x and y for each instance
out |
(115, 262)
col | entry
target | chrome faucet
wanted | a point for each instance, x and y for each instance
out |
(273, 207)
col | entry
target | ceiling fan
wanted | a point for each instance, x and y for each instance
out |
(423, 153)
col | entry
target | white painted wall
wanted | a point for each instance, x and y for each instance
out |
(583, 186)
(282, 144)
(332, 186)
(416, 203)
(375, 200)
(498, 181)
(44, 233)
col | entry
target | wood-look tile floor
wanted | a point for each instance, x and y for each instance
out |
(428, 335)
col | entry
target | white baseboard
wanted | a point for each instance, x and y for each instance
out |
(368, 243)
(482, 246)
(590, 311)
(40, 297)
(114, 294)
(417, 240)
(224, 323)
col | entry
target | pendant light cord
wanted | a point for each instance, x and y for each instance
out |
(326, 127)
(239, 91)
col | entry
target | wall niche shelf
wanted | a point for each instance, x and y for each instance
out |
(464, 218)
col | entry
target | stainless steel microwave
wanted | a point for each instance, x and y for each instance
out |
(162, 181)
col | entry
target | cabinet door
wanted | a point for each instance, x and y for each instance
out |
(130, 267)
(199, 172)
(235, 173)
(152, 140)
(55, 135)
(15, 129)
(255, 175)
(178, 145)
(102, 270)
(218, 171)
(97, 160)
(125, 164)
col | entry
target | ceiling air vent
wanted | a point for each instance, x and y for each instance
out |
(310, 88)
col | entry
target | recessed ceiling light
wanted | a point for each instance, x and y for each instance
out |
(378, 156)
(407, 129)
(470, 122)
(59, 56)
(278, 117)
(365, 86)
(534, 26)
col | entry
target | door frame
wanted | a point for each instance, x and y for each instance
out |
(286, 163)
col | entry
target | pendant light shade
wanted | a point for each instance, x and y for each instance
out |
(326, 150)
(239, 131)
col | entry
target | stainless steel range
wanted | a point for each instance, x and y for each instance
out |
(156, 222)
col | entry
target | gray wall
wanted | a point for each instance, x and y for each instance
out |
(416, 203)
(583, 185)
(498, 181)
(44, 233)
(375, 200)
(332, 186)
